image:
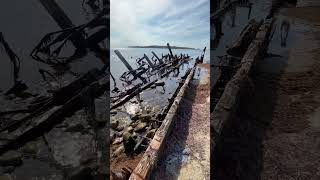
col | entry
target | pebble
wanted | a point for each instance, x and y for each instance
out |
(114, 124)
(145, 118)
(141, 126)
(118, 140)
(151, 133)
(186, 151)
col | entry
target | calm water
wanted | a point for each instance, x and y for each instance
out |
(231, 33)
(131, 54)
(23, 24)
(156, 98)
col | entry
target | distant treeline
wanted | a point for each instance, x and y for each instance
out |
(164, 47)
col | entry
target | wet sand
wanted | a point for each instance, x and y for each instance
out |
(188, 151)
(291, 147)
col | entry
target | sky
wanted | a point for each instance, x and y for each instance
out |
(156, 22)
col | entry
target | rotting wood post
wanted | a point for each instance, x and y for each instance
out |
(149, 62)
(60, 17)
(155, 55)
(57, 13)
(171, 54)
(125, 62)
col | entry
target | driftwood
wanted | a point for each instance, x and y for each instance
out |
(246, 37)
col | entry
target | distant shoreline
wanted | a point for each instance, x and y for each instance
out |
(162, 47)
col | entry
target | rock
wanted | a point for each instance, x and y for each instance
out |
(11, 158)
(112, 136)
(151, 133)
(145, 118)
(148, 109)
(124, 174)
(141, 126)
(129, 129)
(6, 177)
(128, 139)
(135, 124)
(136, 117)
(197, 155)
(118, 151)
(118, 140)
(186, 151)
(114, 124)
(127, 135)
(119, 128)
(118, 175)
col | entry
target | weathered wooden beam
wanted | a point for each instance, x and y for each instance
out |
(125, 62)
(228, 103)
(60, 17)
(171, 54)
(221, 10)
(247, 35)
(155, 55)
(149, 62)
(155, 149)
(57, 13)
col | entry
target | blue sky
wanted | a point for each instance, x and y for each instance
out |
(150, 22)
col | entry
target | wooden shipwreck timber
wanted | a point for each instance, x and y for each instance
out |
(140, 135)
(233, 76)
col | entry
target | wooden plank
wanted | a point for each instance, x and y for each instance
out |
(125, 62)
(228, 103)
(171, 54)
(240, 46)
(61, 18)
(155, 55)
(149, 62)
(154, 150)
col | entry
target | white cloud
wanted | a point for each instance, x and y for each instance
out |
(146, 22)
